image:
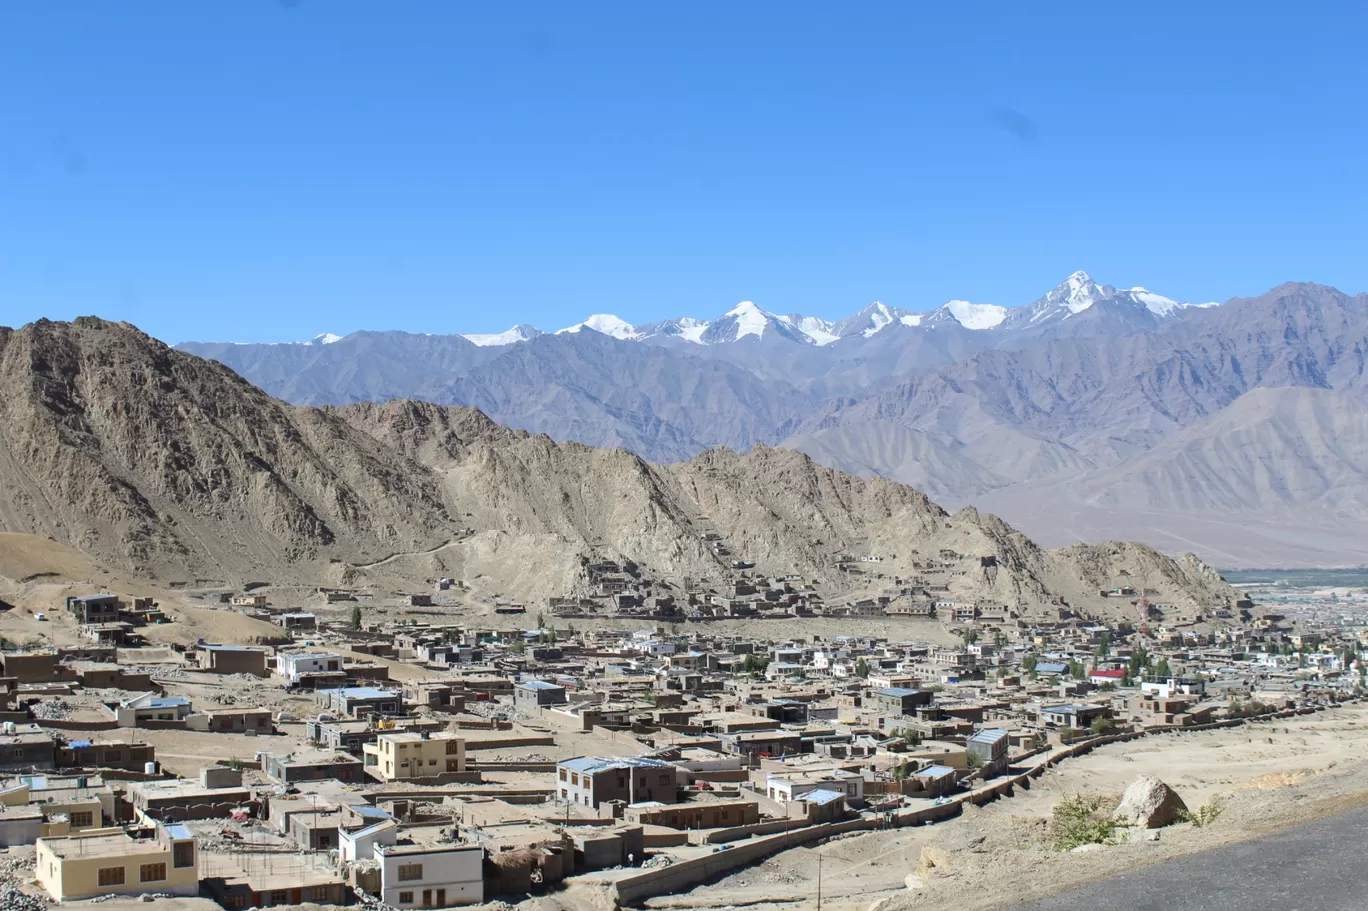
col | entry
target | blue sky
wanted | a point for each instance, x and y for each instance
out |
(267, 170)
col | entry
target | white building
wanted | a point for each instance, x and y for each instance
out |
(294, 666)
(360, 843)
(442, 876)
(784, 788)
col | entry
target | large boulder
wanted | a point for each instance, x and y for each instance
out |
(1150, 803)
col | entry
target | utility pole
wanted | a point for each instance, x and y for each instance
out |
(819, 879)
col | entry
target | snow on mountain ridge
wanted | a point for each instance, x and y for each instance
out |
(975, 316)
(606, 323)
(519, 333)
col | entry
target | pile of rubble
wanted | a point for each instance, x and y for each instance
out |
(50, 711)
(15, 868)
(11, 899)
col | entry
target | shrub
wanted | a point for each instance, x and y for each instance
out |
(1205, 815)
(1079, 820)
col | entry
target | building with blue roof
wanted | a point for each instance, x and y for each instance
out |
(532, 695)
(900, 700)
(361, 701)
(591, 781)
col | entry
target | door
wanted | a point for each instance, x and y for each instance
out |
(427, 898)
(441, 898)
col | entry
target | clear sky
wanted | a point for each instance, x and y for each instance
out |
(270, 169)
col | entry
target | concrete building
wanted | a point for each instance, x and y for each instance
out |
(590, 781)
(114, 862)
(413, 755)
(899, 700)
(231, 659)
(88, 609)
(530, 695)
(25, 747)
(298, 621)
(987, 749)
(298, 667)
(150, 707)
(415, 876)
(361, 701)
(312, 766)
(359, 844)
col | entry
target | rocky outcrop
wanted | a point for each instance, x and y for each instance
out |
(1150, 804)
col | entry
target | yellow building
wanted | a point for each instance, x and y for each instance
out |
(415, 754)
(111, 862)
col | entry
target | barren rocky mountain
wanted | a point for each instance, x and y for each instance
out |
(175, 467)
(972, 403)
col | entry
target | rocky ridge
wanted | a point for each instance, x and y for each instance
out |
(177, 468)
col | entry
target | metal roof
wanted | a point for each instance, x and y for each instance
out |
(987, 735)
(898, 692)
(539, 685)
(936, 771)
(823, 796)
(366, 692)
(598, 764)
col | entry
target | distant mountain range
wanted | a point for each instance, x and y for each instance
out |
(1073, 415)
(157, 461)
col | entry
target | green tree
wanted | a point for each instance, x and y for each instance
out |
(1105, 643)
(541, 621)
(1101, 724)
(1028, 663)
(1077, 670)
(862, 668)
(356, 616)
(1139, 661)
(1161, 668)
(970, 636)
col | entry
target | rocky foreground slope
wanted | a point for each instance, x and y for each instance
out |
(176, 468)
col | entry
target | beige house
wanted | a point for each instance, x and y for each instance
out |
(113, 862)
(414, 754)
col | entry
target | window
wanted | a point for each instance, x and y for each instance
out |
(410, 872)
(152, 873)
(432, 762)
(405, 898)
(111, 756)
(111, 876)
(664, 779)
(183, 854)
(563, 776)
(316, 894)
(17, 753)
(454, 747)
(82, 820)
(280, 897)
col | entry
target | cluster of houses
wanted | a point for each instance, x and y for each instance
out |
(456, 785)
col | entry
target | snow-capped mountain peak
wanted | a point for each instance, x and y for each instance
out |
(747, 320)
(821, 331)
(325, 338)
(519, 333)
(1155, 303)
(975, 316)
(606, 323)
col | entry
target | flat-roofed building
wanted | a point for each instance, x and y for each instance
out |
(114, 862)
(414, 754)
(420, 876)
(231, 659)
(590, 781)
